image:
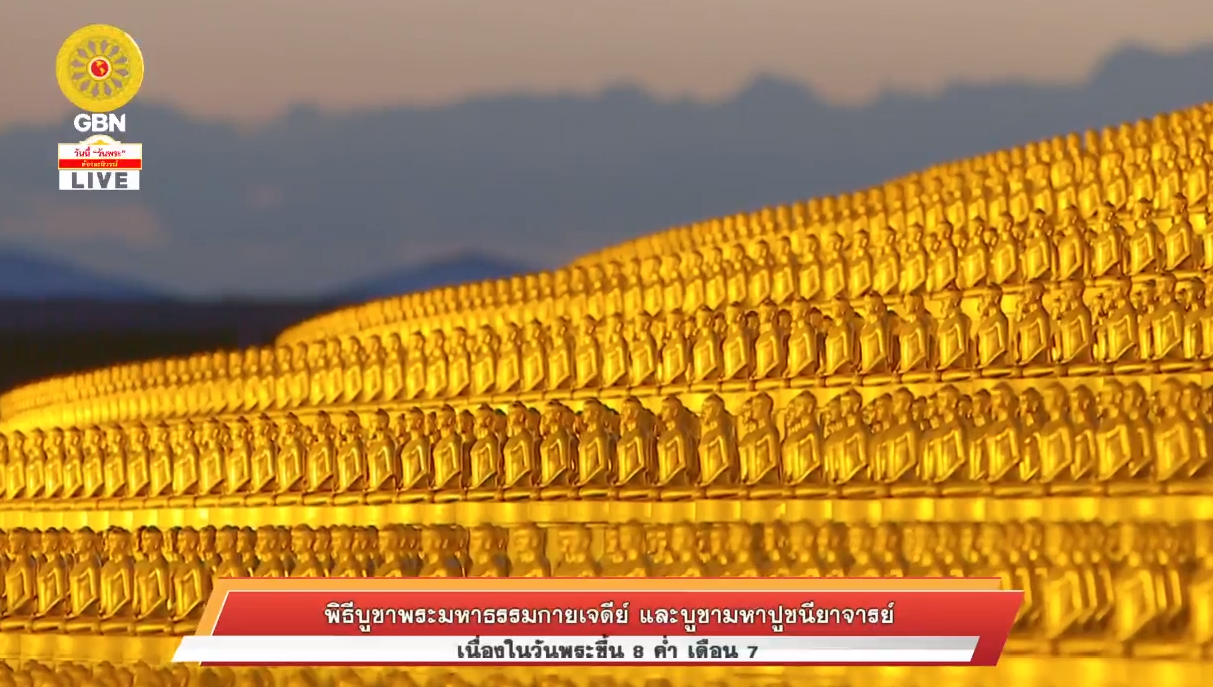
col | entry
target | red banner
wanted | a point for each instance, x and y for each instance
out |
(450, 621)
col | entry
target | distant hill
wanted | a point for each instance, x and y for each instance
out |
(455, 270)
(25, 278)
(28, 277)
(313, 201)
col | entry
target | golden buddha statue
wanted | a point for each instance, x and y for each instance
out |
(944, 265)
(673, 292)
(449, 370)
(974, 259)
(151, 596)
(644, 360)
(34, 458)
(676, 445)
(707, 362)
(840, 351)
(1142, 247)
(885, 263)
(576, 557)
(833, 267)
(396, 557)
(561, 356)
(876, 340)
(557, 452)
(519, 454)
(1117, 333)
(352, 358)
(416, 455)
(636, 450)
(383, 466)
(1178, 243)
(393, 368)
(334, 371)
(450, 453)
(485, 457)
(525, 548)
(320, 461)
(596, 463)
(350, 461)
(1109, 245)
(83, 584)
(675, 359)
(416, 367)
(783, 270)
(589, 355)
(914, 259)
(190, 583)
(486, 559)
(20, 583)
(51, 451)
(809, 279)
(615, 360)
(73, 462)
(116, 608)
(737, 346)
(186, 467)
(437, 380)
(760, 449)
(14, 467)
(858, 266)
(484, 361)
(719, 461)
(534, 358)
(1032, 331)
(290, 458)
(992, 343)
(1120, 453)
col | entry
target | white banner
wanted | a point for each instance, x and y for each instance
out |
(98, 180)
(458, 650)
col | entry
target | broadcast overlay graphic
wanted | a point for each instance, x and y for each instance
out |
(100, 69)
(603, 621)
(100, 163)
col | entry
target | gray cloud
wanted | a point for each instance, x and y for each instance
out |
(313, 200)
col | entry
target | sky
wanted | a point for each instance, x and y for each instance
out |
(547, 179)
(250, 59)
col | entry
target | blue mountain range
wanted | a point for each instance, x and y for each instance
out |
(525, 181)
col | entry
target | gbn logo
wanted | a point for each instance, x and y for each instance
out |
(100, 123)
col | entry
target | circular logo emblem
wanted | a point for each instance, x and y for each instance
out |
(99, 68)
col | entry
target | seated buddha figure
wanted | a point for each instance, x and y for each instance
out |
(485, 457)
(519, 454)
(760, 448)
(152, 593)
(596, 452)
(718, 455)
(84, 584)
(51, 583)
(676, 446)
(190, 581)
(117, 584)
(557, 451)
(20, 583)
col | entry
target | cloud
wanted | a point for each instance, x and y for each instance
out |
(47, 218)
(316, 201)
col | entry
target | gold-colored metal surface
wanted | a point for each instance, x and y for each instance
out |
(1000, 366)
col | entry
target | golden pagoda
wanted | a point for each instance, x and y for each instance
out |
(999, 367)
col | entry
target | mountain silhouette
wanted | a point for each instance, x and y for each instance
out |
(312, 202)
(28, 277)
(458, 269)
